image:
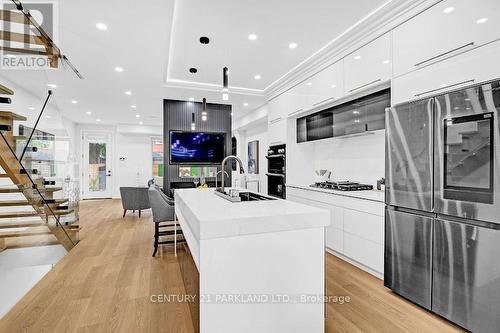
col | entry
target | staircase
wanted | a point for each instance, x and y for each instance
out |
(33, 210)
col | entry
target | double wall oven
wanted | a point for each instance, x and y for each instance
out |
(276, 171)
(443, 205)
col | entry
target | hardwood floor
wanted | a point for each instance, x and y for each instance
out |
(104, 285)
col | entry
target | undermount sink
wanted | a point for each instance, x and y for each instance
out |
(251, 196)
(244, 196)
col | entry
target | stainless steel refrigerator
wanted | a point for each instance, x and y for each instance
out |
(442, 239)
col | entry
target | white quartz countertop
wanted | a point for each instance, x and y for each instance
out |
(210, 216)
(373, 195)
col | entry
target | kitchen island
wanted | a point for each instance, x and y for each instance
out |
(255, 266)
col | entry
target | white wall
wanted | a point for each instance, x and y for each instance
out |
(244, 136)
(137, 168)
(131, 142)
(360, 158)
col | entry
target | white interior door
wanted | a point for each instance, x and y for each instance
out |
(97, 165)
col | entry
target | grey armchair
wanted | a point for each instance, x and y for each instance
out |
(163, 217)
(134, 198)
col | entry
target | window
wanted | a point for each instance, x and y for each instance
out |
(157, 153)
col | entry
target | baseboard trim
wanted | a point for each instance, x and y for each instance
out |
(353, 262)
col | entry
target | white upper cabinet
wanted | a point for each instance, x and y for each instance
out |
(278, 108)
(319, 89)
(447, 28)
(369, 65)
(478, 65)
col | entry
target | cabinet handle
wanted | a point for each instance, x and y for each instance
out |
(444, 53)
(295, 112)
(445, 87)
(275, 120)
(323, 101)
(365, 85)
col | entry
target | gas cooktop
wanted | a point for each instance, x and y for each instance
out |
(343, 186)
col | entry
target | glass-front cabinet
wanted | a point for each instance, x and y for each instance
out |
(354, 117)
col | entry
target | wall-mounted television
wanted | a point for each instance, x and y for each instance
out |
(197, 147)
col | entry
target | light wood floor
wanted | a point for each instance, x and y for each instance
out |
(105, 283)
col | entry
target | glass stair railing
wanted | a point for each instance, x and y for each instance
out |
(38, 196)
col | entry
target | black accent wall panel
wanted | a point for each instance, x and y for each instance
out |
(177, 116)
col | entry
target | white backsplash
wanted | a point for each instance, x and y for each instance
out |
(359, 158)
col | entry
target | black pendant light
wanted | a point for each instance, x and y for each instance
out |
(225, 84)
(204, 114)
(193, 125)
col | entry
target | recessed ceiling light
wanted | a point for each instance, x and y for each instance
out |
(257, 77)
(191, 99)
(309, 83)
(442, 85)
(74, 102)
(138, 116)
(482, 20)
(118, 69)
(31, 108)
(88, 112)
(140, 123)
(48, 117)
(334, 86)
(245, 104)
(292, 45)
(357, 57)
(51, 85)
(252, 36)
(385, 61)
(98, 120)
(101, 26)
(133, 106)
(128, 93)
(448, 10)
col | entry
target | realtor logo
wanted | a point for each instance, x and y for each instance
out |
(28, 43)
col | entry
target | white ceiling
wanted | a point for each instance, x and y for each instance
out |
(138, 39)
(311, 24)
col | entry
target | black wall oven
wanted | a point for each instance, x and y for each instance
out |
(276, 171)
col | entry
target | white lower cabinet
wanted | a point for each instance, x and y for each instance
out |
(365, 252)
(357, 226)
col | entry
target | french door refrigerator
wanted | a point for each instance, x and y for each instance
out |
(442, 248)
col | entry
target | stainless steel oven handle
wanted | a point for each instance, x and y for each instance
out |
(275, 175)
(445, 87)
(365, 85)
(444, 54)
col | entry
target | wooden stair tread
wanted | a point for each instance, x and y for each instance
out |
(24, 231)
(10, 203)
(50, 189)
(14, 116)
(17, 214)
(5, 91)
(21, 224)
(30, 241)
(4, 175)
(19, 137)
(63, 211)
(10, 190)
